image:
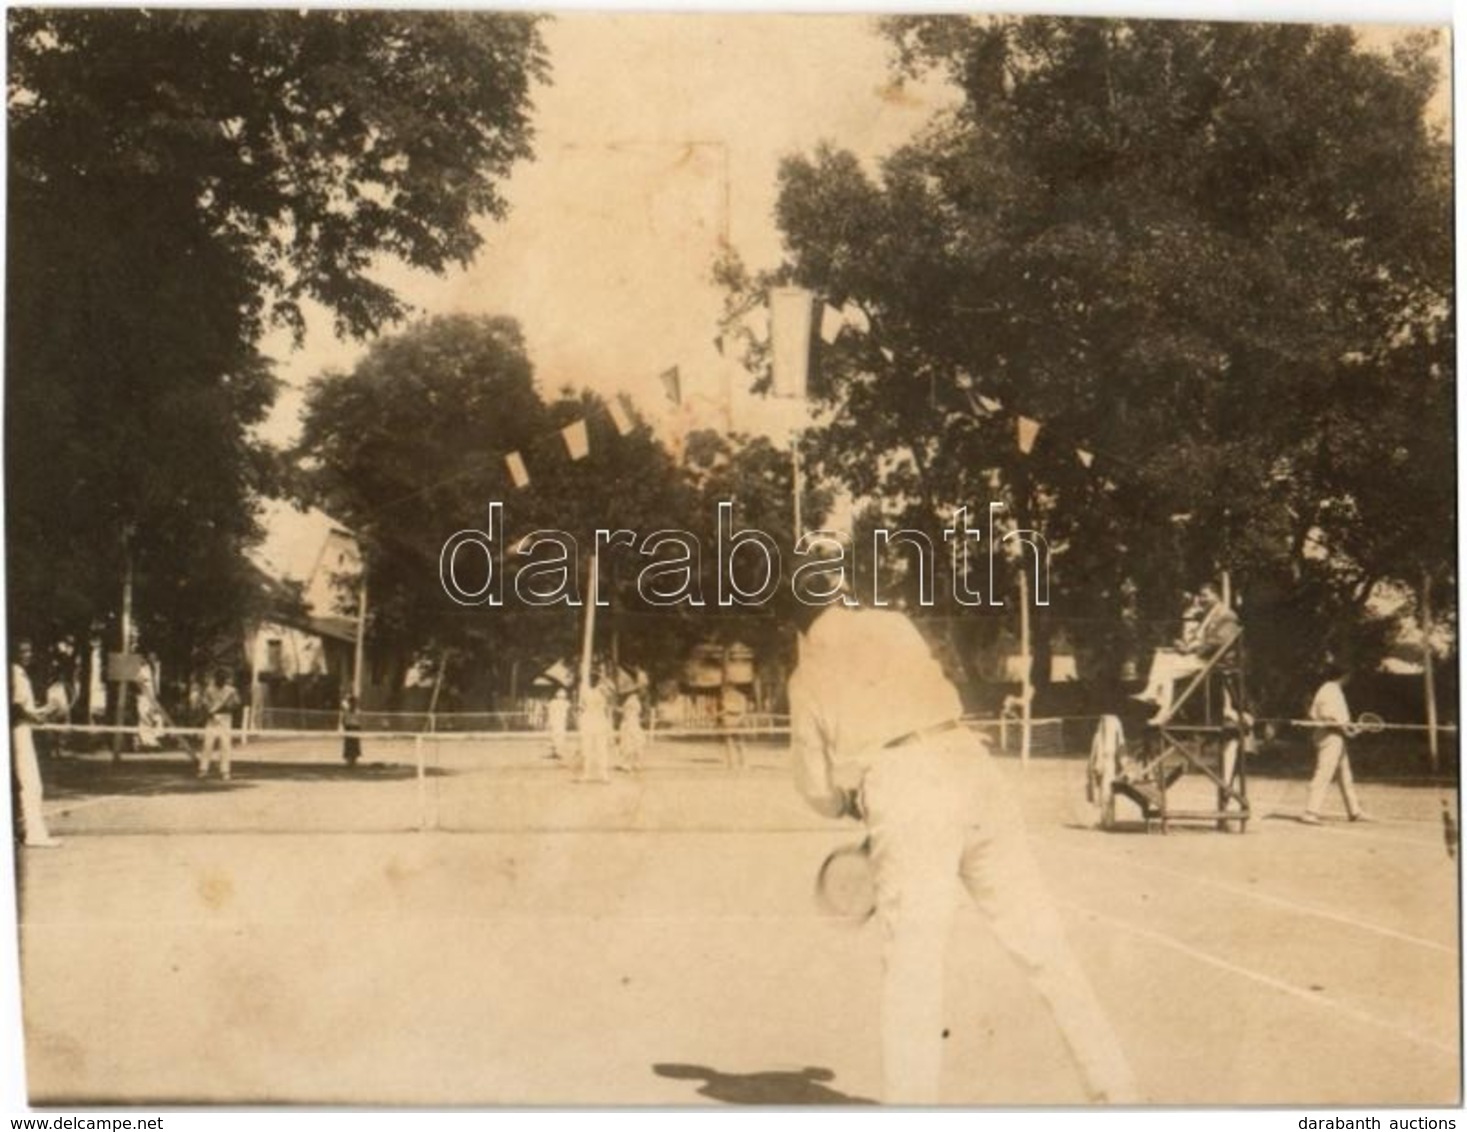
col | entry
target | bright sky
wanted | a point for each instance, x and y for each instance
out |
(661, 133)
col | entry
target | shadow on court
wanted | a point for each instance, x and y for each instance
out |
(70, 778)
(774, 1087)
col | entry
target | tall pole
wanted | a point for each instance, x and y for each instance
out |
(589, 635)
(798, 480)
(1026, 662)
(119, 717)
(356, 670)
(1428, 672)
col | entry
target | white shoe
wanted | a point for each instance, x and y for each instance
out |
(1307, 818)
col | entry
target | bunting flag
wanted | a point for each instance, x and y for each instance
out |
(718, 345)
(990, 404)
(1028, 431)
(832, 322)
(855, 318)
(672, 384)
(888, 355)
(517, 470)
(791, 311)
(620, 410)
(1086, 458)
(577, 442)
(561, 673)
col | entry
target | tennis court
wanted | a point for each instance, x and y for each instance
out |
(488, 931)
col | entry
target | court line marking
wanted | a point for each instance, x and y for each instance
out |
(1265, 898)
(1314, 998)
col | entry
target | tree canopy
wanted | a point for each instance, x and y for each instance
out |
(179, 181)
(1216, 257)
(410, 447)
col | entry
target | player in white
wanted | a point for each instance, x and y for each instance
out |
(596, 735)
(870, 704)
(557, 720)
(220, 703)
(631, 739)
(1331, 759)
(25, 767)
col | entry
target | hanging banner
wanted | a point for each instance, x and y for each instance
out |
(577, 442)
(517, 470)
(791, 312)
(620, 414)
(832, 322)
(672, 385)
(1028, 431)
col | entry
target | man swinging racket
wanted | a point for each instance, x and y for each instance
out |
(870, 705)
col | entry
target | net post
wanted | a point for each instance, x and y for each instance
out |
(422, 783)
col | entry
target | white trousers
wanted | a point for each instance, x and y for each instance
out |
(1331, 759)
(596, 756)
(939, 814)
(1167, 667)
(215, 735)
(28, 782)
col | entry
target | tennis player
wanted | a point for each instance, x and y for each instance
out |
(220, 703)
(870, 705)
(25, 770)
(1331, 758)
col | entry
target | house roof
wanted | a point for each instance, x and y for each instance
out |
(285, 560)
(293, 540)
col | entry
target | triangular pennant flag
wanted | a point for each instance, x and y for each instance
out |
(856, 318)
(577, 441)
(831, 324)
(620, 415)
(990, 404)
(672, 384)
(1028, 430)
(1086, 458)
(887, 354)
(517, 470)
(718, 345)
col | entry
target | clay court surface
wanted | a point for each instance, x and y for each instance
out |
(293, 936)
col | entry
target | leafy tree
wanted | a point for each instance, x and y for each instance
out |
(1216, 256)
(410, 448)
(179, 181)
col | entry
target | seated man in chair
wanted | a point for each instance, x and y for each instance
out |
(1218, 629)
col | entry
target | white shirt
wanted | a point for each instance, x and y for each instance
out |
(865, 677)
(1329, 706)
(22, 695)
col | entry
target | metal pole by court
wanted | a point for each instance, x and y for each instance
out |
(1428, 673)
(356, 672)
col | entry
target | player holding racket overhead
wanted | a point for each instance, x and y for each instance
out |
(1330, 756)
(870, 705)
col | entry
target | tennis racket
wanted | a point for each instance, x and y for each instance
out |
(1368, 723)
(845, 885)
